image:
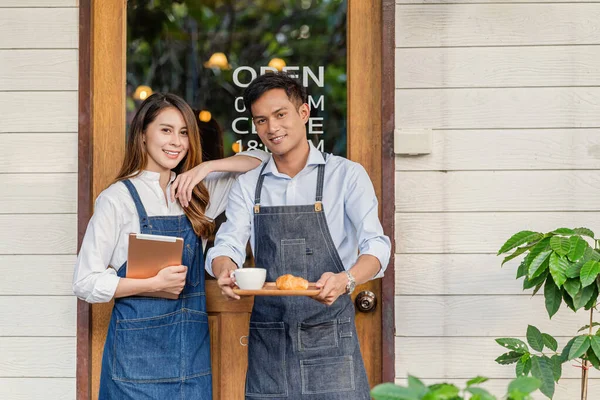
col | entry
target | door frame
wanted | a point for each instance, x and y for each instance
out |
(95, 173)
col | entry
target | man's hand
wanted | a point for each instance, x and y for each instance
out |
(332, 286)
(223, 268)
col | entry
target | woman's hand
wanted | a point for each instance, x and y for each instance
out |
(185, 183)
(171, 279)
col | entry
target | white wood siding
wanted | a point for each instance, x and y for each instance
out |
(38, 199)
(511, 90)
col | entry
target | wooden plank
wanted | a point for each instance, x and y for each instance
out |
(45, 152)
(498, 67)
(37, 388)
(38, 112)
(38, 193)
(508, 150)
(38, 234)
(498, 108)
(38, 69)
(498, 191)
(566, 389)
(468, 316)
(497, 24)
(479, 232)
(420, 274)
(38, 316)
(49, 357)
(37, 275)
(456, 357)
(38, 28)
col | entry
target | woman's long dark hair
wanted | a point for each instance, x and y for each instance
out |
(136, 156)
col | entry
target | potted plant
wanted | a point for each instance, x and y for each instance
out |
(566, 264)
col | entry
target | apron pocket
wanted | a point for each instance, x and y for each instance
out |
(266, 376)
(196, 343)
(148, 349)
(293, 257)
(327, 375)
(317, 336)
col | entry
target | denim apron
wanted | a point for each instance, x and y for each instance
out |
(159, 348)
(299, 348)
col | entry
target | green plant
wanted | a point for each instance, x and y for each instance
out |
(518, 389)
(566, 263)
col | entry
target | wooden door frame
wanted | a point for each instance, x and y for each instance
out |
(88, 186)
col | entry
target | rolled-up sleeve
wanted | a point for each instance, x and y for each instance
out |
(233, 235)
(363, 211)
(93, 281)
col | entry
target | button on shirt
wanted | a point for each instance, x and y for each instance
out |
(349, 202)
(106, 239)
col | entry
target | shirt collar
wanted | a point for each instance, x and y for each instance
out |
(151, 176)
(315, 157)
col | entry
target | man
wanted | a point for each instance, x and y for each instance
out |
(310, 215)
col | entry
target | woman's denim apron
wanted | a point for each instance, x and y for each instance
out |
(299, 348)
(159, 348)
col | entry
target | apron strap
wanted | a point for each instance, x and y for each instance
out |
(138, 202)
(259, 185)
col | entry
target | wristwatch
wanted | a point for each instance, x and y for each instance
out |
(351, 283)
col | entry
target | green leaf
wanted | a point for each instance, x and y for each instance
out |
(593, 358)
(586, 327)
(560, 245)
(537, 289)
(577, 248)
(389, 391)
(574, 270)
(564, 231)
(528, 284)
(558, 268)
(592, 301)
(444, 392)
(416, 385)
(589, 272)
(480, 379)
(509, 358)
(584, 232)
(568, 300)
(580, 346)
(541, 369)
(550, 342)
(523, 365)
(556, 363)
(535, 338)
(518, 239)
(522, 270)
(581, 299)
(481, 393)
(553, 297)
(511, 344)
(517, 253)
(564, 356)
(572, 286)
(524, 384)
(595, 344)
(537, 265)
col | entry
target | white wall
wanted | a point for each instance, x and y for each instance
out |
(38, 198)
(512, 91)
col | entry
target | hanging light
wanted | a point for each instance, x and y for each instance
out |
(218, 60)
(236, 146)
(142, 92)
(277, 63)
(204, 116)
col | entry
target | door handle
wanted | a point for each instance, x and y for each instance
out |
(366, 301)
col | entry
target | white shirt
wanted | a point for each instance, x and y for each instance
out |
(106, 239)
(349, 202)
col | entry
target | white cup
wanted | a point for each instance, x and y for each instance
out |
(250, 278)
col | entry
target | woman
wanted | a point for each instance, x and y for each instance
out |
(156, 348)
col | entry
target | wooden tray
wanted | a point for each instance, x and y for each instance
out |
(269, 289)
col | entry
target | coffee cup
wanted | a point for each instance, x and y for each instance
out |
(250, 278)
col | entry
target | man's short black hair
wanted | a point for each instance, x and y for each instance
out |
(275, 80)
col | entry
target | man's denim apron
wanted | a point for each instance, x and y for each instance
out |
(299, 348)
(159, 348)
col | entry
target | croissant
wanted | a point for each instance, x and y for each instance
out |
(291, 282)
